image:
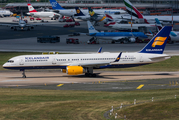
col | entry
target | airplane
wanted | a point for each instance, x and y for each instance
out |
(92, 16)
(76, 64)
(115, 25)
(79, 15)
(96, 17)
(5, 13)
(174, 35)
(34, 13)
(147, 19)
(72, 12)
(21, 24)
(122, 37)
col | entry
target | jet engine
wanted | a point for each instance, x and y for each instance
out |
(12, 27)
(75, 70)
(132, 39)
(32, 27)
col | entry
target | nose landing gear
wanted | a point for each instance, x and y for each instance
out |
(23, 74)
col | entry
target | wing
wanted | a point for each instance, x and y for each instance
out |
(9, 25)
(31, 25)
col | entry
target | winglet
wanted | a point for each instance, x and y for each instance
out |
(100, 49)
(55, 5)
(158, 42)
(91, 29)
(118, 58)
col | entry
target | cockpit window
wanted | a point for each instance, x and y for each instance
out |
(10, 61)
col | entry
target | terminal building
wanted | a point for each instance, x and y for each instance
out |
(146, 6)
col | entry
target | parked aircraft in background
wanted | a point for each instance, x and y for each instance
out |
(21, 24)
(122, 37)
(174, 35)
(79, 15)
(34, 13)
(96, 17)
(5, 13)
(72, 12)
(117, 26)
(147, 19)
(75, 64)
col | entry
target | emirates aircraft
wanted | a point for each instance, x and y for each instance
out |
(34, 13)
(132, 10)
(75, 64)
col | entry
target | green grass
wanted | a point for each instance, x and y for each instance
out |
(18, 104)
(171, 64)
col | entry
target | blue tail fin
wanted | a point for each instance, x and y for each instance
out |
(158, 24)
(55, 5)
(158, 42)
(78, 12)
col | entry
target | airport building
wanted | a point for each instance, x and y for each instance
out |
(152, 6)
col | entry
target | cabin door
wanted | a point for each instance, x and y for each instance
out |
(54, 61)
(141, 59)
(21, 62)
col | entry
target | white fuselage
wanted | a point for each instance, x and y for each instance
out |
(22, 24)
(72, 12)
(129, 26)
(5, 13)
(84, 60)
(42, 14)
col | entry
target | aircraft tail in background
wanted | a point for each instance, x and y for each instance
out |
(91, 29)
(78, 12)
(158, 24)
(31, 8)
(55, 5)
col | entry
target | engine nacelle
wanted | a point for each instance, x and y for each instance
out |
(12, 27)
(132, 39)
(32, 27)
(75, 70)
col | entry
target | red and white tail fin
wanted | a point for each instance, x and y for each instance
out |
(31, 9)
(109, 17)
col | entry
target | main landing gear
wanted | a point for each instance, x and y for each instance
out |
(23, 74)
(90, 75)
(89, 72)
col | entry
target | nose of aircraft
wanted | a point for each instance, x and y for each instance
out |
(4, 65)
(28, 13)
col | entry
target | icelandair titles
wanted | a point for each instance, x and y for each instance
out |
(35, 58)
(154, 49)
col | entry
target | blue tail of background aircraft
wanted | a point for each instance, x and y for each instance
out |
(158, 42)
(78, 12)
(55, 5)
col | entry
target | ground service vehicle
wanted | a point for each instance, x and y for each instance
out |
(69, 20)
(77, 24)
(48, 39)
(72, 40)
